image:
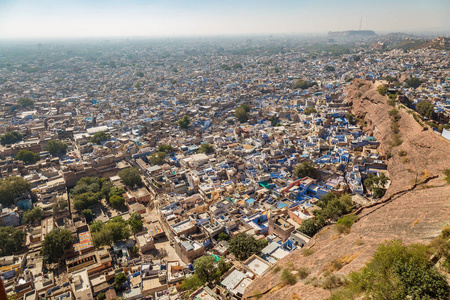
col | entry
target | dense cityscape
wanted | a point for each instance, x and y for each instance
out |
(196, 168)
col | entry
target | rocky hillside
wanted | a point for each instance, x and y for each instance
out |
(415, 208)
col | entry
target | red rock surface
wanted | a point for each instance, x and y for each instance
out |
(415, 216)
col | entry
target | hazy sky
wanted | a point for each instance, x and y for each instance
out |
(84, 18)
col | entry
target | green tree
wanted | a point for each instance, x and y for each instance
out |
(119, 280)
(425, 108)
(243, 246)
(184, 122)
(56, 147)
(55, 243)
(237, 66)
(310, 110)
(96, 226)
(206, 148)
(107, 233)
(101, 296)
(205, 267)
(140, 74)
(191, 283)
(131, 177)
(13, 296)
(329, 69)
(10, 138)
(350, 118)
(116, 190)
(12, 240)
(309, 227)
(398, 272)
(88, 214)
(27, 157)
(11, 188)
(157, 158)
(116, 201)
(390, 78)
(305, 169)
(376, 184)
(25, 102)
(382, 89)
(32, 216)
(135, 222)
(241, 113)
(100, 137)
(85, 200)
(413, 83)
(225, 67)
(303, 84)
(223, 237)
(165, 148)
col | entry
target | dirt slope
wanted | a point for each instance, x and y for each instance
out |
(415, 215)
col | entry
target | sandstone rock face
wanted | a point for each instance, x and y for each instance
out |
(415, 215)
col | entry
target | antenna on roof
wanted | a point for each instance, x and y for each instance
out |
(360, 24)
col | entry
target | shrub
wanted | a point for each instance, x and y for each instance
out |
(402, 153)
(302, 272)
(347, 221)
(308, 252)
(382, 89)
(287, 277)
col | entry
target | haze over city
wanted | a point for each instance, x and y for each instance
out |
(117, 18)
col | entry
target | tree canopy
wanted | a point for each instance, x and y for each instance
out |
(382, 89)
(241, 113)
(376, 184)
(131, 177)
(11, 188)
(116, 201)
(10, 138)
(303, 84)
(25, 102)
(12, 240)
(332, 208)
(184, 122)
(32, 216)
(425, 108)
(329, 69)
(397, 271)
(119, 280)
(157, 158)
(107, 233)
(100, 137)
(165, 148)
(56, 147)
(27, 157)
(206, 148)
(55, 243)
(89, 191)
(207, 269)
(135, 222)
(310, 110)
(413, 82)
(305, 169)
(243, 246)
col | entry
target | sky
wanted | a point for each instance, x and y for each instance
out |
(160, 18)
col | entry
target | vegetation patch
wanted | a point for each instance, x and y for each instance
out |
(399, 271)
(332, 208)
